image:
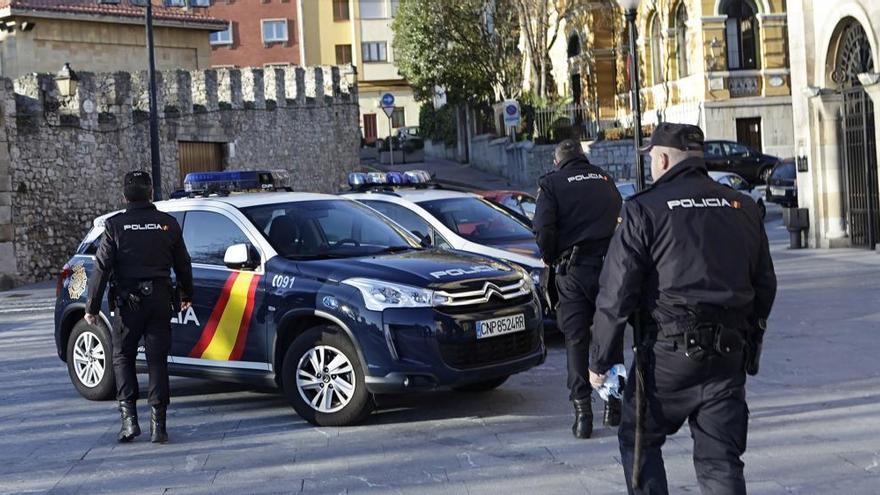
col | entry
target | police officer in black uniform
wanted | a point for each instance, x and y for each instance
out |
(690, 266)
(137, 251)
(577, 211)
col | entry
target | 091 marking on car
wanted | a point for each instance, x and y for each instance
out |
(500, 326)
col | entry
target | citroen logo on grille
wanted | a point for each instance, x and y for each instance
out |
(491, 290)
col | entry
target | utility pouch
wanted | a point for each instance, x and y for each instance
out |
(700, 341)
(145, 288)
(728, 341)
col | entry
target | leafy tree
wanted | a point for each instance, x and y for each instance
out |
(467, 47)
(540, 21)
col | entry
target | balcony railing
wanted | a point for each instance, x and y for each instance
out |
(743, 87)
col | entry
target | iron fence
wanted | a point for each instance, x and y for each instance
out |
(573, 120)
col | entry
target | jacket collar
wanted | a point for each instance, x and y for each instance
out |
(574, 161)
(691, 166)
(140, 205)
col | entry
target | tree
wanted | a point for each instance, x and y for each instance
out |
(540, 22)
(467, 47)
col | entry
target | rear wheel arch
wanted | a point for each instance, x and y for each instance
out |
(296, 323)
(72, 315)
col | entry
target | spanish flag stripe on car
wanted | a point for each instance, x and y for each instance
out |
(226, 331)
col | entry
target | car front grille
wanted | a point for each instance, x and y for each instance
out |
(493, 350)
(486, 293)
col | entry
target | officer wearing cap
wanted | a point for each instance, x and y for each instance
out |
(138, 249)
(575, 217)
(690, 266)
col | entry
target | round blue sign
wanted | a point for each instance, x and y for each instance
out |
(387, 100)
(511, 109)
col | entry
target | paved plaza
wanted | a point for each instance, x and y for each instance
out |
(814, 429)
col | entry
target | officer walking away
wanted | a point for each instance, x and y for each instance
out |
(137, 251)
(576, 214)
(690, 266)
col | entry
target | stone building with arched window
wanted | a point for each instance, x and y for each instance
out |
(720, 64)
(835, 50)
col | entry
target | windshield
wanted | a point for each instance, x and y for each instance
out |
(784, 170)
(477, 220)
(327, 229)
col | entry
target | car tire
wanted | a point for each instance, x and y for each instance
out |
(89, 361)
(762, 208)
(307, 381)
(483, 386)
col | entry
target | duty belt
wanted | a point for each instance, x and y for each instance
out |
(702, 340)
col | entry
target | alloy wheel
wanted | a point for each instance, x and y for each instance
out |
(325, 379)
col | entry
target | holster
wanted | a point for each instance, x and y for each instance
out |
(568, 259)
(703, 340)
(753, 347)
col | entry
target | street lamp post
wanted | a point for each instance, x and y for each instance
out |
(154, 112)
(630, 8)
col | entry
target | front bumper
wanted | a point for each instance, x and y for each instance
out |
(424, 348)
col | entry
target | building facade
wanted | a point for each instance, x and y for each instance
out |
(262, 33)
(41, 36)
(719, 64)
(835, 47)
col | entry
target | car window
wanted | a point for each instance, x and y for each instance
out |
(735, 149)
(734, 181)
(477, 220)
(207, 236)
(785, 170)
(327, 229)
(714, 149)
(528, 206)
(406, 218)
(626, 190)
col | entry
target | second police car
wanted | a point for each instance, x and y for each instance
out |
(451, 220)
(322, 297)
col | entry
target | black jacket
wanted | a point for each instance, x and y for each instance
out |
(577, 205)
(141, 243)
(683, 245)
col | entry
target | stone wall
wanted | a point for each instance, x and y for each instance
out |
(62, 159)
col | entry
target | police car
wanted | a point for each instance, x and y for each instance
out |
(324, 298)
(450, 220)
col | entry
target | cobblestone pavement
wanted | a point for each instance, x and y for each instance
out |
(815, 417)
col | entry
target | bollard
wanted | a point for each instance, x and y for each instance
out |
(797, 221)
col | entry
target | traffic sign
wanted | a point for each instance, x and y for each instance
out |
(511, 113)
(387, 100)
(388, 111)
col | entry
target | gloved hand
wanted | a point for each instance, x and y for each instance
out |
(91, 319)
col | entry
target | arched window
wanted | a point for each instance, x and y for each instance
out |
(658, 63)
(741, 31)
(681, 40)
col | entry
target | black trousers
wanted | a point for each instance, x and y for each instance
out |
(577, 291)
(152, 322)
(710, 395)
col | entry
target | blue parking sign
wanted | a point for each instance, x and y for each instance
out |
(388, 100)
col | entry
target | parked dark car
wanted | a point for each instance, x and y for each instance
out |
(782, 186)
(728, 156)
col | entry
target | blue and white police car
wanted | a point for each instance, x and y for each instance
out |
(321, 297)
(451, 220)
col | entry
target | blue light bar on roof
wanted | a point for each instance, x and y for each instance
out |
(226, 182)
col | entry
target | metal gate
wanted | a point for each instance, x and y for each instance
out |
(860, 168)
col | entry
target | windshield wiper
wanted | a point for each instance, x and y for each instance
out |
(395, 249)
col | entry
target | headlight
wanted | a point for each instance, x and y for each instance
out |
(535, 275)
(379, 295)
(528, 278)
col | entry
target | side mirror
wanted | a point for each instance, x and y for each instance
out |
(424, 239)
(239, 257)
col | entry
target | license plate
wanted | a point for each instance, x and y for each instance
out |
(500, 326)
(777, 191)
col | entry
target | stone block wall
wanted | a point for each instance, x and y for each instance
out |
(62, 158)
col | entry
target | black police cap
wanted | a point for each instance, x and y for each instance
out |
(684, 137)
(137, 178)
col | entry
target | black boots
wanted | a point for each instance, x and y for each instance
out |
(612, 412)
(583, 418)
(130, 427)
(157, 424)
